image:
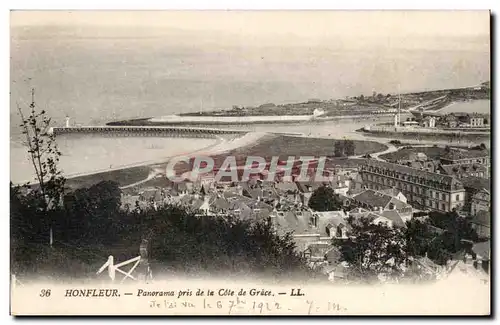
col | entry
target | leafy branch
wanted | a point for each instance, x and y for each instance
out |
(43, 154)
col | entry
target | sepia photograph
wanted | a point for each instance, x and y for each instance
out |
(250, 162)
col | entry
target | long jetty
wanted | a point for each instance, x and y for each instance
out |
(156, 131)
(147, 131)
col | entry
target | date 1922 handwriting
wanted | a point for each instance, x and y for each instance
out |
(242, 306)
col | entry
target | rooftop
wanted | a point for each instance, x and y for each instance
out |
(476, 183)
(458, 169)
(373, 199)
(391, 191)
(319, 249)
(465, 154)
(330, 218)
(449, 181)
(395, 217)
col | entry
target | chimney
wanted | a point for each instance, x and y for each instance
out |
(380, 209)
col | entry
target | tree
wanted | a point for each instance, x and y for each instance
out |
(339, 149)
(44, 157)
(93, 212)
(457, 229)
(418, 236)
(344, 148)
(325, 199)
(349, 147)
(44, 154)
(373, 250)
(447, 239)
(93, 226)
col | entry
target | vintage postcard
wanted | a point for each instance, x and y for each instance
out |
(250, 163)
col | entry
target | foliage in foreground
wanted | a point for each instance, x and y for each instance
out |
(376, 249)
(90, 226)
(373, 249)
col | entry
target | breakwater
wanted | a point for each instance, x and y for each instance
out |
(147, 131)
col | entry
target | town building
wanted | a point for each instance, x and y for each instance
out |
(423, 189)
(450, 120)
(465, 170)
(459, 119)
(455, 162)
(477, 120)
(429, 122)
(473, 186)
(395, 193)
(379, 201)
(481, 201)
(459, 157)
(481, 223)
(390, 218)
(309, 227)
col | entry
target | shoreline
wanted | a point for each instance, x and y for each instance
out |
(246, 145)
(215, 120)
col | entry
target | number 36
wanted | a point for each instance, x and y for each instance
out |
(45, 293)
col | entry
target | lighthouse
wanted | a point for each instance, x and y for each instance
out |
(67, 121)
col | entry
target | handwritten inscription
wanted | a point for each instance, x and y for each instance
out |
(245, 306)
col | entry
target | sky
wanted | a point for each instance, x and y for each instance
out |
(110, 64)
(314, 24)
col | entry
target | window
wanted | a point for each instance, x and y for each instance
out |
(443, 207)
(457, 198)
(443, 196)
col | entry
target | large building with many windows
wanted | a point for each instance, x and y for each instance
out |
(423, 189)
